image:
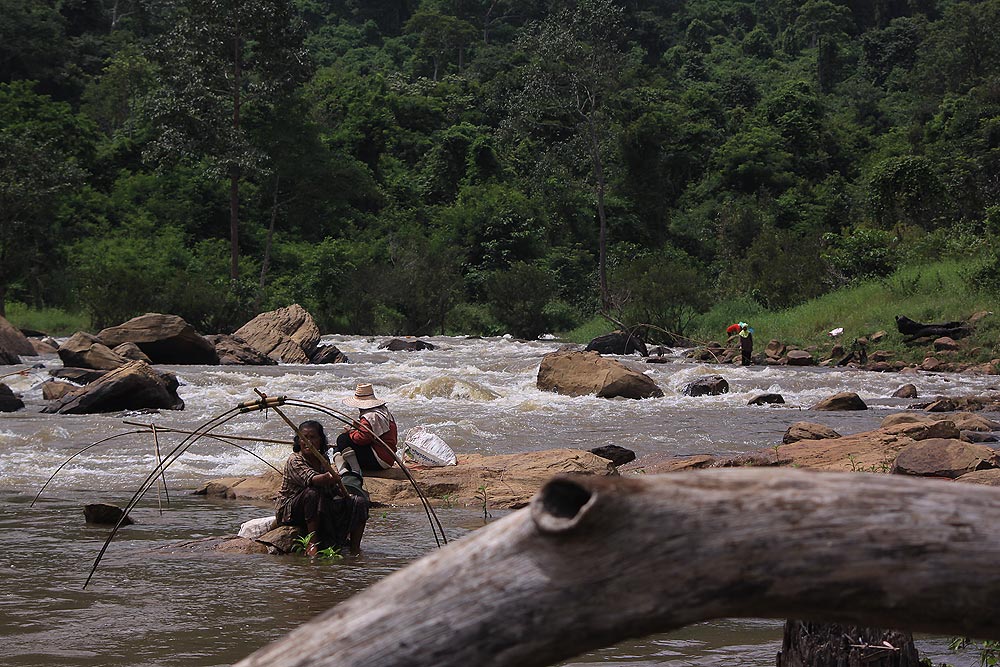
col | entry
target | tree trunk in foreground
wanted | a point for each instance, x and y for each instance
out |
(595, 560)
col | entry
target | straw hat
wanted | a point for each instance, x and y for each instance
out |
(364, 397)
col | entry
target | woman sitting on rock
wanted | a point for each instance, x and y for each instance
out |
(361, 449)
(310, 497)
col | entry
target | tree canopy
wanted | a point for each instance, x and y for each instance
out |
(486, 166)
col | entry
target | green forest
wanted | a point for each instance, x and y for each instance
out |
(489, 166)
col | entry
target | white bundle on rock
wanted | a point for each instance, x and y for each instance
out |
(254, 528)
(425, 448)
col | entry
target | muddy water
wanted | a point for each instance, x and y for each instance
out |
(155, 602)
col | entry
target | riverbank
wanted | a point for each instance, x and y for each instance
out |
(937, 292)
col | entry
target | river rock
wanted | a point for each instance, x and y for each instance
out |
(288, 335)
(77, 375)
(165, 339)
(617, 342)
(234, 351)
(588, 373)
(328, 354)
(283, 539)
(808, 431)
(710, 385)
(924, 430)
(131, 351)
(134, 386)
(799, 358)
(53, 390)
(406, 345)
(767, 399)
(945, 344)
(988, 477)
(906, 391)
(509, 480)
(615, 453)
(84, 350)
(940, 457)
(47, 346)
(104, 514)
(845, 400)
(977, 437)
(9, 401)
(13, 344)
(774, 349)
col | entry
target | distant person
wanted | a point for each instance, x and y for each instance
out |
(310, 498)
(746, 343)
(362, 451)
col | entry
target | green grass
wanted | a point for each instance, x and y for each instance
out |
(931, 293)
(53, 321)
(589, 330)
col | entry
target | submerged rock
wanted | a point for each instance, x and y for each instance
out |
(710, 385)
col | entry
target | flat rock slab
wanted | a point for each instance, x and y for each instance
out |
(509, 480)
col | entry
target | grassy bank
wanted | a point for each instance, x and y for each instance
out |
(52, 321)
(931, 293)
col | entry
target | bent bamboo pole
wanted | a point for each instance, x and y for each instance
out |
(597, 560)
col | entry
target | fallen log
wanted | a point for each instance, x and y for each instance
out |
(595, 560)
(915, 330)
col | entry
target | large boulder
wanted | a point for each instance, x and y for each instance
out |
(9, 402)
(618, 342)
(588, 373)
(53, 390)
(944, 457)
(710, 385)
(845, 400)
(288, 335)
(84, 350)
(134, 386)
(234, 351)
(507, 481)
(165, 339)
(13, 344)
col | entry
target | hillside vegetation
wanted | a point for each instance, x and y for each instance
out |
(492, 166)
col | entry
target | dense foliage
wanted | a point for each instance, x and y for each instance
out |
(483, 166)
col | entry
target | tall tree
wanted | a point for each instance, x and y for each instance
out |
(220, 59)
(575, 66)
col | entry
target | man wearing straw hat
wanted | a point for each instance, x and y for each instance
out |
(361, 449)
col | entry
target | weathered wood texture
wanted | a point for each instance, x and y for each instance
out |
(596, 560)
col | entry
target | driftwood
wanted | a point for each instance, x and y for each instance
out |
(596, 560)
(915, 330)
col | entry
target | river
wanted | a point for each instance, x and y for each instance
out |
(153, 602)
